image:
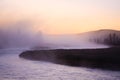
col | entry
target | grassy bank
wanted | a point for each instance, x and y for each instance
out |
(108, 58)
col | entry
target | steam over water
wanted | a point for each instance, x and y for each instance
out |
(20, 34)
(71, 42)
(14, 68)
(16, 38)
(23, 35)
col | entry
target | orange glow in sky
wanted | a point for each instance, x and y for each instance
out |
(63, 16)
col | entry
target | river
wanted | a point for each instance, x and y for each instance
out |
(14, 68)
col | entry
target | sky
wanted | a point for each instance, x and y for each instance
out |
(62, 16)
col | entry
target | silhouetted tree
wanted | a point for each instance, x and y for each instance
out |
(96, 40)
(112, 39)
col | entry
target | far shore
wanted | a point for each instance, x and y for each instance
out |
(108, 58)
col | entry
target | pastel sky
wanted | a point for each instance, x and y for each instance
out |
(62, 16)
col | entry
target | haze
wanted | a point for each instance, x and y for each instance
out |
(62, 16)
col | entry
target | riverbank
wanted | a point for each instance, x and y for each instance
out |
(108, 58)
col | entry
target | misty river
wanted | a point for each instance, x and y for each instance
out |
(14, 68)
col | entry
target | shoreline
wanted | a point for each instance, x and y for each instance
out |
(108, 58)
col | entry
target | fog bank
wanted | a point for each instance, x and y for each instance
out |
(19, 35)
(22, 35)
(71, 42)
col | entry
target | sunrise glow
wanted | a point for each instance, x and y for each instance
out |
(62, 16)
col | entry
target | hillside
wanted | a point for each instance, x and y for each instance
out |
(92, 39)
(106, 36)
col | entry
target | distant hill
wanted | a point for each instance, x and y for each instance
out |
(92, 39)
(104, 36)
(99, 33)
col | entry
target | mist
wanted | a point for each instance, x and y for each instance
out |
(71, 41)
(19, 35)
(22, 35)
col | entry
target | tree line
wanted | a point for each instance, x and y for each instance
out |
(111, 39)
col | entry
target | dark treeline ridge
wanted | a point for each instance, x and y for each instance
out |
(111, 39)
(108, 58)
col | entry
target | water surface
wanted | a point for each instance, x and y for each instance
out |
(14, 68)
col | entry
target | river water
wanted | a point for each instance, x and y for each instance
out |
(14, 68)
